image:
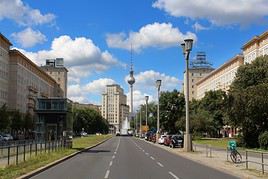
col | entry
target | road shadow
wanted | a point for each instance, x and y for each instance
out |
(96, 151)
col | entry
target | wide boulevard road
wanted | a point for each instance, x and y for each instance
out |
(129, 158)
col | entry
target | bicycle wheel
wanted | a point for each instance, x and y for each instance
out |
(233, 157)
(238, 157)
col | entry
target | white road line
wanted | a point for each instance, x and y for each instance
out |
(114, 152)
(146, 153)
(107, 174)
(111, 163)
(160, 164)
(143, 150)
(172, 174)
(152, 158)
(113, 157)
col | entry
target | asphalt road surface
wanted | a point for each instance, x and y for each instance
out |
(130, 158)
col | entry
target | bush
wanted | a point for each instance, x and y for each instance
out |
(263, 140)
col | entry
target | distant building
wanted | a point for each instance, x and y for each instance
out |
(87, 106)
(257, 46)
(114, 106)
(55, 68)
(221, 78)
(199, 68)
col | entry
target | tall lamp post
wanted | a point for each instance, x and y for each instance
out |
(140, 120)
(187, 47)
(146, 100)
(158, 84)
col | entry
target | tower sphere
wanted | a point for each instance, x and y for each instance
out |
(131, 79)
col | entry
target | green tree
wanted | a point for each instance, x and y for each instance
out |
(213, 103)
(248, 100)
(16, 121)
(171, 110)
(90, 120)
(4, 118)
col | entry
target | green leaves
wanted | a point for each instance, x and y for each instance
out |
(89, 120)
(171, 110)
(248, 100)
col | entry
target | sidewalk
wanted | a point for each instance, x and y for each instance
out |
(218, 160)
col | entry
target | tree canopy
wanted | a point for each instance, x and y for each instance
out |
(248, 100)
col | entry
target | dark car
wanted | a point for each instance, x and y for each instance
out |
(176, 141)
(167, 140)
(147, 135)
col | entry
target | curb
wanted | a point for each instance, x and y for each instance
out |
(41, 169)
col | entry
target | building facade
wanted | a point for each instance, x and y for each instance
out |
(27, 82)
(4, 69)
(55, 68)
(257, 46)
(199, 68)
(114, 106)
(221, 78)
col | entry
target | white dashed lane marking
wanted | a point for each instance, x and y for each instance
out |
(107, 174)
(160, 164)
(174, 176)
(152, 158)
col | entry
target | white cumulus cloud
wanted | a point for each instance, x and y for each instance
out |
(80, 92)
(29, 37)
(161, 35)
(145, 81)
(138, 99)
(23, 14)
(81, 56)
(198, 27)
(222, 12)
(98, 86)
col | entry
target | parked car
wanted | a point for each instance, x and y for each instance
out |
(7, 137)
(167, 140)
(83, 134)
(161, 139)
(153, 138)
(176, 141)
(117, 134)
(147, 135)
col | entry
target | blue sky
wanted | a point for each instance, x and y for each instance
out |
(94, 37)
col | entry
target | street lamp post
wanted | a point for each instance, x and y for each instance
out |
(140, 120)
(136, 122)
(146, 100)
(187, 47)
(158, 84)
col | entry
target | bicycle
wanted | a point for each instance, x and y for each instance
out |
(235, 156)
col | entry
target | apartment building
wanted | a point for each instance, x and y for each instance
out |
(257, 46)
(27, 82)
(4, 69)
(114, 106)
(220, 78)
(55, 68)
(22, 81)
(199, 68)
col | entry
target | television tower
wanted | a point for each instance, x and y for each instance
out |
(131, 81)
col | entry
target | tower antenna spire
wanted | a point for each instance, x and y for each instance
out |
(131, 58)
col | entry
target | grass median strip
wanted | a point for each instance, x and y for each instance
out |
(43, 159)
